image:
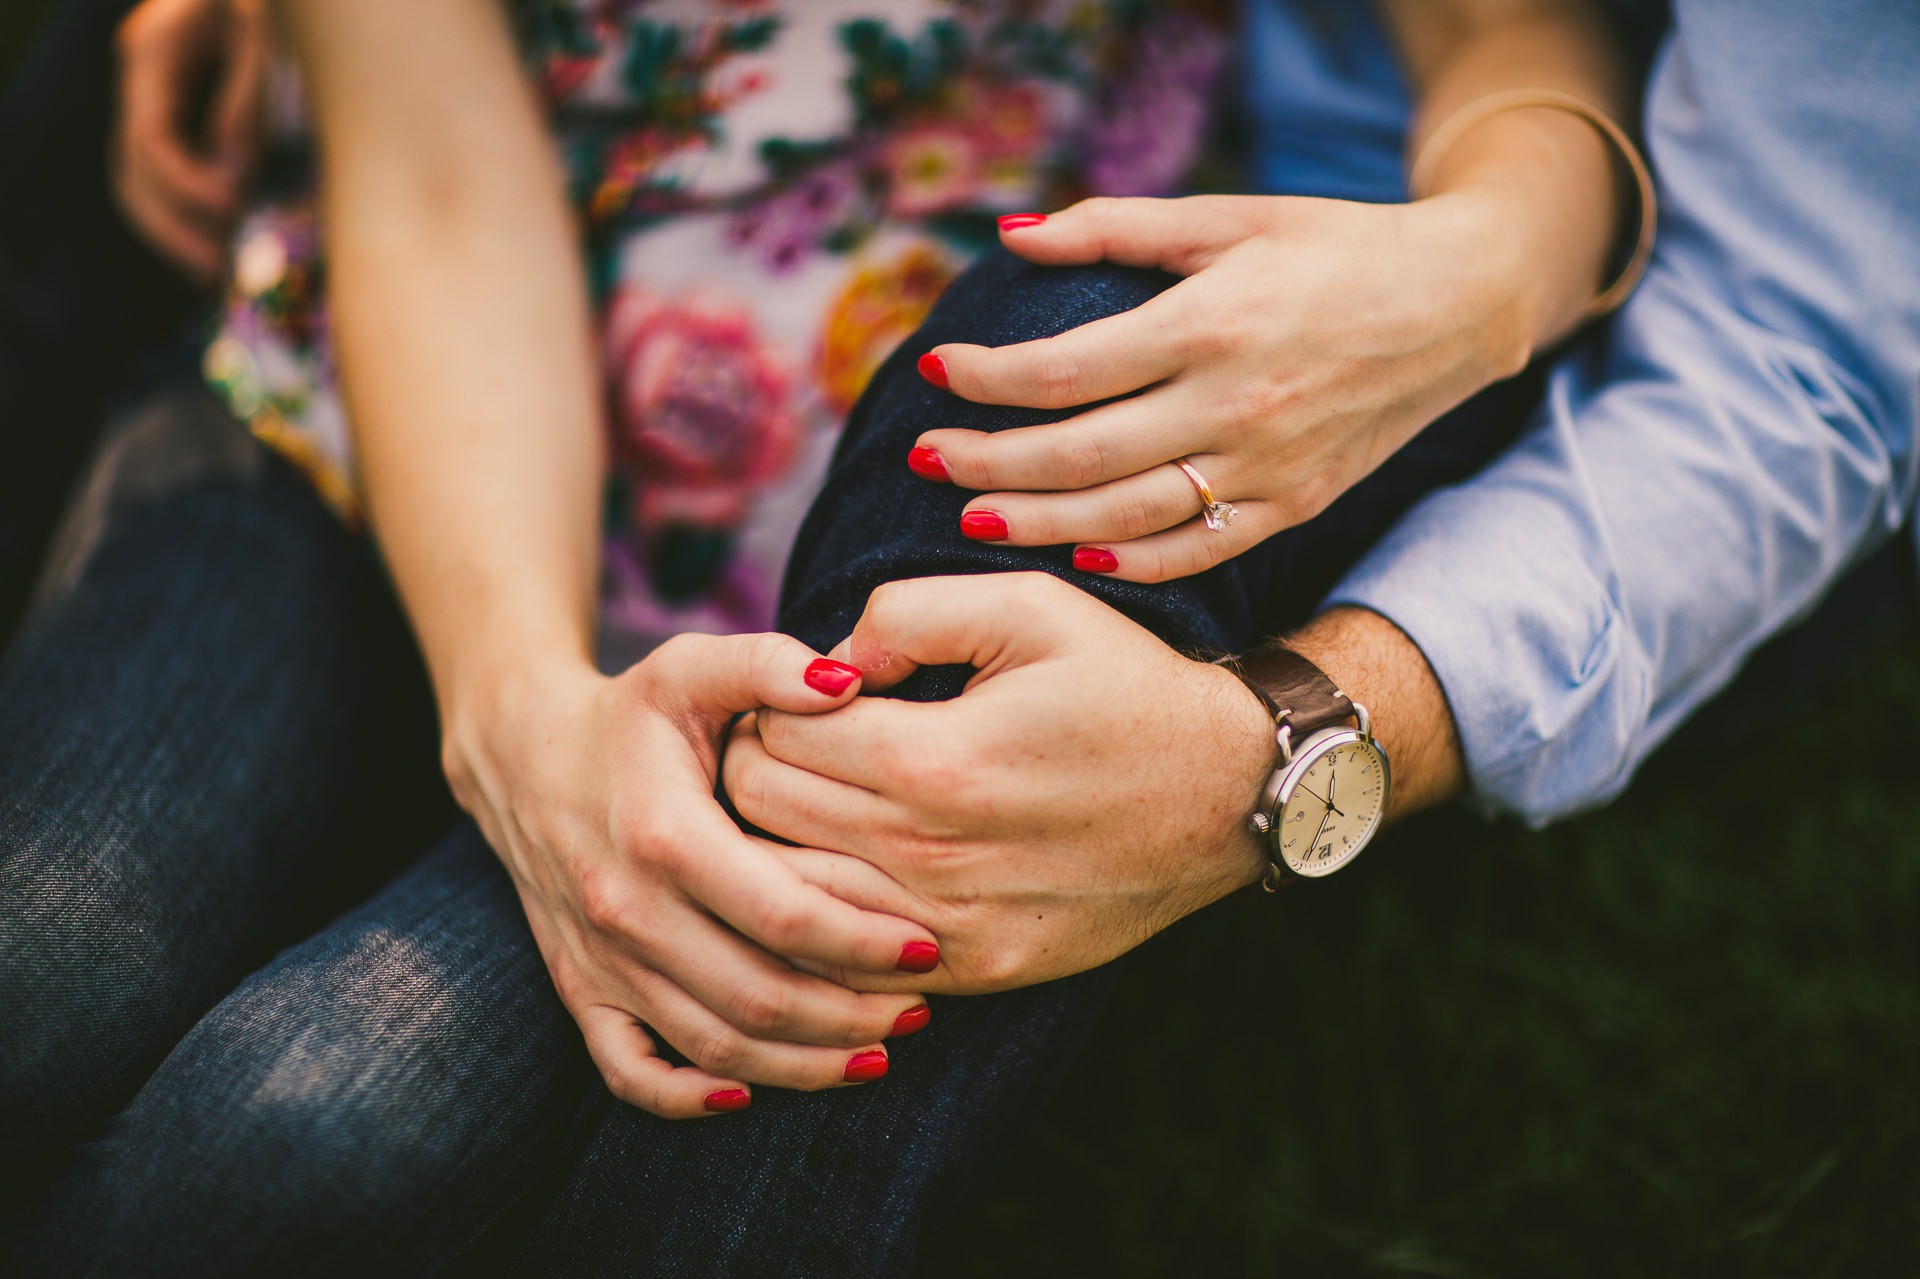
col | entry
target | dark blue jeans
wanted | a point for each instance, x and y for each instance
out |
(222, 742)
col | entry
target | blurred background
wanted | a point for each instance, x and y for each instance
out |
(1681, 1036)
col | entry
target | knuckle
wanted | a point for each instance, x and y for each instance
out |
(1058, 379)
(718, 1051)
(747, 784)
(783, 923)
(765, 652)
(761, 1010)
(1079, 461)
(890, 608)
(1136, 516)
(997, 969)
(603, 903)
(1260, 400)
(620, 1082)
(1100, 210)
(1309, 497)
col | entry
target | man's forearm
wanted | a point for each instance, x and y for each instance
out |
(1375, 664)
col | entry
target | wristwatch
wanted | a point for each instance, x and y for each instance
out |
(1328, 792)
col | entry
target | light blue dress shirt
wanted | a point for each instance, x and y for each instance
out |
(1708, 462)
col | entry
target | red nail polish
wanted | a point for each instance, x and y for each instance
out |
(830, 677)
(919, 957)
(865, 1067)
(934, 369)
(729, 1099)
(1094, 559)
(928, 465)
(984, 526)
(1014, 221)
(915, 1018)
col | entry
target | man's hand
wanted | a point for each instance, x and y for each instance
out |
(649, 904)
(190, 82)
(1089, 787)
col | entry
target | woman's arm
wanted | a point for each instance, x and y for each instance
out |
(1311, 338)
(1552, 180)
(463, 330)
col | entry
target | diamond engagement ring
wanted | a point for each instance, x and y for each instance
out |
(1217, 514)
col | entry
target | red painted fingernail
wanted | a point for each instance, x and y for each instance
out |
(934, 369)
(831, 677)
(865, 1067)
(919, 957)
(1094, 559)
(729, 1099)
(1014, 221)
(915, 1018)
(984, 526)
(928, 464)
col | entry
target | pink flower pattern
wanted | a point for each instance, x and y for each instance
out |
(728, 364)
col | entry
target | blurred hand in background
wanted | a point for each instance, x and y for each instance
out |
(187, 124)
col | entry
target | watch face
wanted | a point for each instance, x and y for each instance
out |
(1334, 806)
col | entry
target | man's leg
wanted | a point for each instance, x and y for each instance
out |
(203, 751)
(842, 1182)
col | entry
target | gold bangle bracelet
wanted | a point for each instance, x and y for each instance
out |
(1456, 125)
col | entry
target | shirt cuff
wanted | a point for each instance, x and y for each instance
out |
(1499, 593)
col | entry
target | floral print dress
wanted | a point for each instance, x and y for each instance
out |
(770, 196)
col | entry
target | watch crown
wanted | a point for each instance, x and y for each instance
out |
(1259, 823)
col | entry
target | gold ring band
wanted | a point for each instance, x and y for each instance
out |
(1217, 514)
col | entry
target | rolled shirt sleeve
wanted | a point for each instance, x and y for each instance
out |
(1707, 463)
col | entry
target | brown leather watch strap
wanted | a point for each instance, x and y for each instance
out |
(1287, 681)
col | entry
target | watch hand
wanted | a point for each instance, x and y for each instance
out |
(1323, 826)
(1328, 800)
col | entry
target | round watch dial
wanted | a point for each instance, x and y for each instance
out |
(1334, 807)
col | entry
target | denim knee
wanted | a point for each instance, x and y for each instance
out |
(385, 1090)
(875, 521)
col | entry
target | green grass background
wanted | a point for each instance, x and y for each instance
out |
(1678, 1037)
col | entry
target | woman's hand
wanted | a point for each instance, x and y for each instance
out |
(650, 905)
(189, 102)
(1089, 788)
(1309, 340)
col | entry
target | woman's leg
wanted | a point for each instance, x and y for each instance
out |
(369, 1102)
(207, 749)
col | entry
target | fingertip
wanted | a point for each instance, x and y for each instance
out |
(928, 464)
(1020, 221)
(865, 1067)
(984, 526)
(919, 957)
(934, 369)
(727, 1100)
(1095, 559)
(913, 1019)
(833, 678)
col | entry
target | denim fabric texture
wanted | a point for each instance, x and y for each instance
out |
(877, 522)
(401, 1091)
(216, 743)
